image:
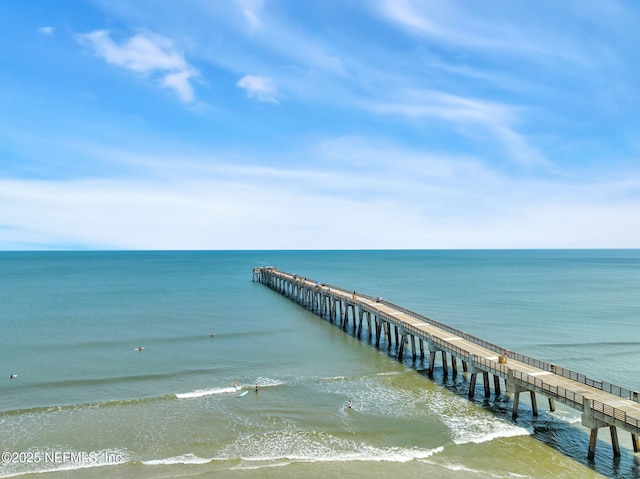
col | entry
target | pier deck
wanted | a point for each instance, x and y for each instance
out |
(602, 404)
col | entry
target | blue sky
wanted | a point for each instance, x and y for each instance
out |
(287, 124)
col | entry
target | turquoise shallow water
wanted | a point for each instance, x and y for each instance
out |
(87, 404)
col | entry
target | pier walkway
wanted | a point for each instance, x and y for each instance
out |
(602, 404)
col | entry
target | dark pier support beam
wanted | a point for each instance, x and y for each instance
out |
(421, 349)
(403, 341)
(635, 442)
(332, 311)
(345, 317)
(454, 366)
(354, 316)
(534, 403)
(465, 368)
(432, 361)
(496, 384)
(387, 325)
(472, 385)
(485, 380)
(516, 400)
(593, 438)
(445, 369)
(413, 347)
(552, 405)
(345, 323)
(614, 441)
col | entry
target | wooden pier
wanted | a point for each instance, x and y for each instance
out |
(602, 404)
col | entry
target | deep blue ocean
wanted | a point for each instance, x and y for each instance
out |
(86, 402)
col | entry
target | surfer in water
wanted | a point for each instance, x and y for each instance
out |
(349, 404)
(256, 387)
(13, 376)
(235, 385)
(140, 348)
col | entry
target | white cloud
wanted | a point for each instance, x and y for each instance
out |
(46, 30)
(179, 81)
(260, 88)
(148, 54)
(250, 213)
(409, 198)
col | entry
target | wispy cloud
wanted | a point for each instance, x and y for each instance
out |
(251, 11)
(46, 30)
(468, 116)
(149, 54)
(259, 87)
(223, 205)
(478, 28)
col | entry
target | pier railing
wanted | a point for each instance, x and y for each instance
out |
(559, 370)
(604, 411)
(602, 385)
(447, 328)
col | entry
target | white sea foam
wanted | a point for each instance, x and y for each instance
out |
(283, 448)
(371, 396)
(262, 382)
(205, 392)
(485, 432)
(183, 459)
(313, 446)
(567, 415)
(478, 472)
(269, 382)
(469, 424)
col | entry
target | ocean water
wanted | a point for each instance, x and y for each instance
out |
(86, 403)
